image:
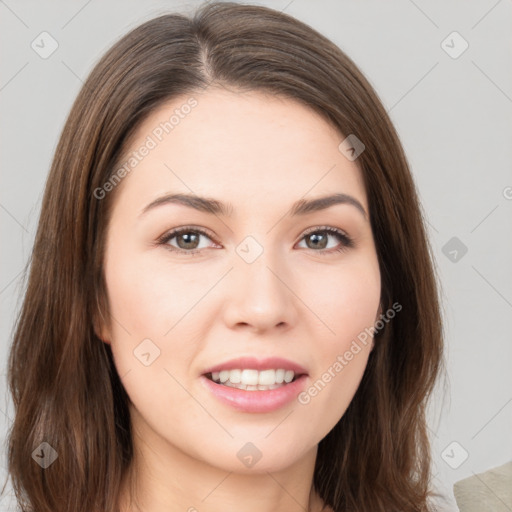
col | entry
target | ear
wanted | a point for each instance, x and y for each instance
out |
(101, 327)
(102, 333)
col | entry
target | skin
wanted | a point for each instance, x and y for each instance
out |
(261, 154)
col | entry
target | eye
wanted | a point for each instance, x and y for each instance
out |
(187, 239)
(318, 239)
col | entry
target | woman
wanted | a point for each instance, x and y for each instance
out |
(231, 301)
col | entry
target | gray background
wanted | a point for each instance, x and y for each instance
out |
(453, 117)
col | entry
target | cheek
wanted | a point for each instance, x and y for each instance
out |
(345, 298)
(347, 302)
(152, 348)
(149, 307)
(147, 298)
(353, 306)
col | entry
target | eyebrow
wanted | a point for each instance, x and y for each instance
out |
(215, 207)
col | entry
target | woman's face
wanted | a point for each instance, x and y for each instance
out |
(253, 279)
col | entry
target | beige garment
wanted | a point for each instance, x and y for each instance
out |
(490, 491)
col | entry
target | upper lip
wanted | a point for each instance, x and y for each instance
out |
(258, 364)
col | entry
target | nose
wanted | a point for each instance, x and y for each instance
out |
(260, 296)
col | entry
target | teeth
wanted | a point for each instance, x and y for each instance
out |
(235, 376)
(253, 380)
(249, 377)
(267, 377)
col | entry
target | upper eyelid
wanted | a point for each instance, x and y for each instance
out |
(325, 228)
(184, 229)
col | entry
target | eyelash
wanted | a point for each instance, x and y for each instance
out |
(346, 241)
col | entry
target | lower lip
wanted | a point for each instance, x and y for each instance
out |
(256, 401)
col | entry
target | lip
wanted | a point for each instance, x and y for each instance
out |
(253, 363)
(256, 401)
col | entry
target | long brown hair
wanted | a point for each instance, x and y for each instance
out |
(64, 385)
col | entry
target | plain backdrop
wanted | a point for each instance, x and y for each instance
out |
(441, 69)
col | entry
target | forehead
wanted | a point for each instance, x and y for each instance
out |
(250, 148)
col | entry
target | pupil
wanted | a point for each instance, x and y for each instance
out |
(187, 244)
(316, 236)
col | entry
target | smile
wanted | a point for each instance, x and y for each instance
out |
(255, 398)
(253, 380)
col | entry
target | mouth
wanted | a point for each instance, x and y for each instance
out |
(254, 391)
(248, 379)
(253, 385)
